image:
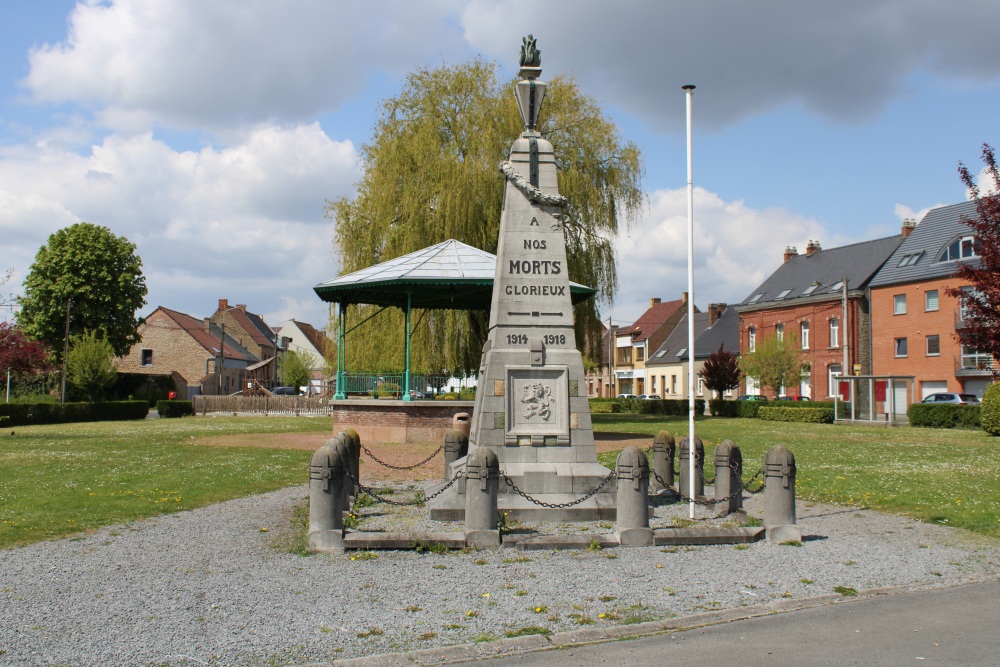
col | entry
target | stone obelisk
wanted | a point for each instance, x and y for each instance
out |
(531, 401)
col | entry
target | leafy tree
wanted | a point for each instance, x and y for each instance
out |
(431, 173)
(90, 365)
(24, 358)
(721, 371)
(775, 362)
(99, 273)
(296, 368)
(989, 411)
(982, 303)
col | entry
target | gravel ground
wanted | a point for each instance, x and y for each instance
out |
(211, 586)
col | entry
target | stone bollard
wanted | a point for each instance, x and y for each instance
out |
(728, 477)
(342, 449)
(684, 485)
(663, 462)
(354, 446)
(462, 422)
(326, 517)
(482, 475)
(456, 445)
(779, 496)
(632, 521)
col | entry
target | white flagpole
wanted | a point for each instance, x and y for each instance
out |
(690, 314)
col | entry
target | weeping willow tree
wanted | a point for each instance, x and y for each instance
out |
(431, 173)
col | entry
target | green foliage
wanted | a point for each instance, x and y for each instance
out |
(775, 362)
(91, 366)
(603, 405)
(720, 407)
(22, 414)
(989, 410)
(430, 174)
(296, 368)
(641, 406)
(930, 415)
(784, 413)
(748, 409)
(151, 388)
(99, 272)
(169, 409)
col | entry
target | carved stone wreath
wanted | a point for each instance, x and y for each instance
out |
(529, 190)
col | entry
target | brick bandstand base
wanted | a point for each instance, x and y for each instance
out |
(378, 420)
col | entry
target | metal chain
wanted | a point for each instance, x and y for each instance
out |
(398, 503)
(556, 506)
(389, 465)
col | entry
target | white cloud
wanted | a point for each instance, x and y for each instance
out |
(196, 64)
(735, 249)
(844, 60)
(247, 218)
(904, 212)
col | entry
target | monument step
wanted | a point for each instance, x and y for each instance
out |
(601, 507)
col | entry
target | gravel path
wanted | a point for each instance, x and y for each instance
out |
(211, 587)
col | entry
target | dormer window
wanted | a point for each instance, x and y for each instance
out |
(756, 298)
(783, 294)
(961, 248)
(810, 289)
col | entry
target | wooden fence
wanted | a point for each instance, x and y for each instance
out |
(263, 405)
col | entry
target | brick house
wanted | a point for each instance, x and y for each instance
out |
(820, 297)
(304, 338)
(189, 350)
(598, 377)
(667, 368)
(254, 335)
(915, 329)
(634, 343)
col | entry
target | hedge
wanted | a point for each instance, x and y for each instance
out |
(604, 405)
(720, 407)
(786, 413)
(931, 415)
(23, 414)
(175, 408)
(642, 406)
(989, 411)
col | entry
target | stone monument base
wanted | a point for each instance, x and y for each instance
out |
(549, 483)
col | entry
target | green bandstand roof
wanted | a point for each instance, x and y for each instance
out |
(449, 275)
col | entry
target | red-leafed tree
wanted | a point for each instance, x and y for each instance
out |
(982, 302)
(26, 359)
(721, 371)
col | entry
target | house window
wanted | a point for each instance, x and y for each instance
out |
(147, 358)
(967, 294)
(701, 386)
(779, 331)
(933, 346)
(804, 335)
(833, 372)
(640, 353)
(962, 248)
(752, 338)
(899, 304)
(673, 384)
(900, 347)
(652, 384)
(931, 300)
(834, 332)
(625, 355)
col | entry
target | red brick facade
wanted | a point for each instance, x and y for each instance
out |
(916, 325)
(398, 421)
(818, 352)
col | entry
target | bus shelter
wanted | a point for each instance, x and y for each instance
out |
(877, 399)
(448, 275)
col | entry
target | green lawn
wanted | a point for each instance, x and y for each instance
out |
(60, 479)
(943, 476)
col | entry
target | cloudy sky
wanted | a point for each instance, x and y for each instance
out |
(211, 133)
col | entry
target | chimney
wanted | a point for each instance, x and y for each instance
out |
(715, 311)
(208, 325)
(223, 304)
(654, 301)
(909, 224)
(811, 247)
(684, 297)
(790, 251)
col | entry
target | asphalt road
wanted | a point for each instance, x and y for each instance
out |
(950, 626)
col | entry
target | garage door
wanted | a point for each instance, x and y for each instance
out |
(976, 387)
(928, 388)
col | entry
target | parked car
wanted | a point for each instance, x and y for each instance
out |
(949, 397)
(626, 396)
(648, 397)
(792, 398)
(285, 391)
(751, 397)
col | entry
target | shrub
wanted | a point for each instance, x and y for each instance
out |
(171, 409)
(47, 413)
(989, 411)
(784, 413)
(671, 407)
(603, 405)
(748, 409)
(720, 407)
(929, 415)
